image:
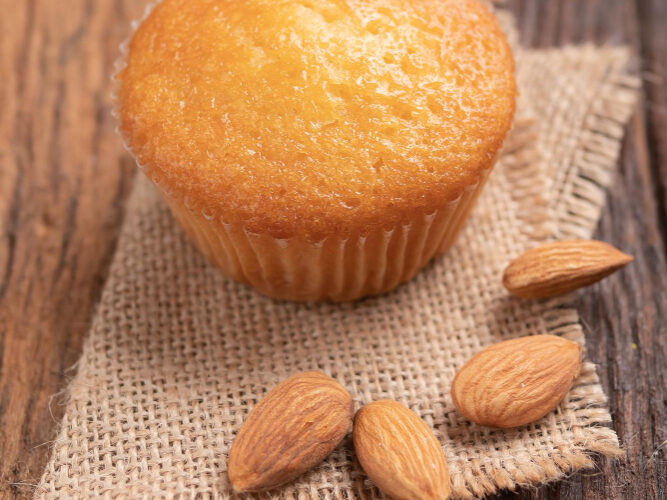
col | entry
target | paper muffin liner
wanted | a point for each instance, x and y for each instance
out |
(335, 268)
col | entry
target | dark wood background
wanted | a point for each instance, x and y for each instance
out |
(64, 179)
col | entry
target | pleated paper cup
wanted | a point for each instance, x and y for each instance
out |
(334, 268)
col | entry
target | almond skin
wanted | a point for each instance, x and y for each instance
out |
(292, 429)
(516, 382)
(399, 452)
(561, 267)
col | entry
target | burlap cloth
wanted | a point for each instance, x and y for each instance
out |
(178, 355)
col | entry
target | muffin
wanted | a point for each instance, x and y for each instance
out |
(317, 149)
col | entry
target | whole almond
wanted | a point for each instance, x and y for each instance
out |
(399, 452)
(561, 267)
(292, 429)
(516, 382)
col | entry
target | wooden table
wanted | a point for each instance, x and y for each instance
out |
(64, 179)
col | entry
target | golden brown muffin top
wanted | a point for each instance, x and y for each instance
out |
(316, 117)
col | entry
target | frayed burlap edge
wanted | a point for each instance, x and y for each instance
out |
(593, 168)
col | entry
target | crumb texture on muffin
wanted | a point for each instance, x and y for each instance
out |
(314, 117)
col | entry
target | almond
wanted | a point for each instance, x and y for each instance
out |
(561, 267)
(516, 382)
(399, 452)
(292, 429)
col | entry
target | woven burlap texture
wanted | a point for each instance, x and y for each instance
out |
(178, 355)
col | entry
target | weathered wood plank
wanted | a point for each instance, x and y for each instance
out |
(653, 49)
(64, 177)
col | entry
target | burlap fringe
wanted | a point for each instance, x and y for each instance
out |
(594, 166)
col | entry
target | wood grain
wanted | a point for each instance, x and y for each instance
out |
(64, 178)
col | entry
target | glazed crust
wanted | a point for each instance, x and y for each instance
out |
(319, 117)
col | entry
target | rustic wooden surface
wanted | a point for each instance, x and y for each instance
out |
(64, 178)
